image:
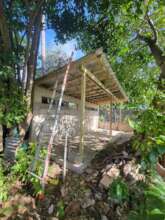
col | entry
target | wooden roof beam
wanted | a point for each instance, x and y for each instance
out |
(101, 85)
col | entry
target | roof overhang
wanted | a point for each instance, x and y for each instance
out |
(103, 88)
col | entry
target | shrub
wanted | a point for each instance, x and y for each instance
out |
(118, 191)
(3, 184)
(24, 160)
(153, 207)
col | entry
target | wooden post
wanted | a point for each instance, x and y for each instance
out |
(110, 119)
(82, 114)
(65, 155)
(120, 119)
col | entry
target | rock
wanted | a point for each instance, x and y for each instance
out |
(98, 196)
(125, 153)
(103, 207)
(51, 209)
(103, 217)
(89, 171)
(88, 193)
(88, 202)
(64, 191)
(127, 169)
(73, 208)
(108, 166)
(105, 181)
(93, 213)
(132, 173)
(54, 218)
(54, 170)
(113, 172)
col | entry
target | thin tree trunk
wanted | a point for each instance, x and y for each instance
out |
(4, 30)
(31, 68)
(33, 60)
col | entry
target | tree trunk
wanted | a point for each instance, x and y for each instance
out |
(31, 68)
(4, 30)
(159, 59)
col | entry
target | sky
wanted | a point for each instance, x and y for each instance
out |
(68, 47)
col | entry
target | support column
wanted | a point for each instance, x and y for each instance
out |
(110, 119)
(82, 114)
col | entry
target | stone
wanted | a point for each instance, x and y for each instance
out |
(113, 172)
(103, 217)
(88, 202)
(108, 166)
(98, 196)
(54, 170)
(88, 193)
(73, 208)
(63, 191)
(127, 169)
(103, 207)
(131, 171)
(105, 181)
(125, 153)
(51, 209)
(89, 171)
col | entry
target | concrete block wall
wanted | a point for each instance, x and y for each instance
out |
(69, 117)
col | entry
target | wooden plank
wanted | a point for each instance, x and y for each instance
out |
(101, 85)
(112, 75)
(82, 114)
(96, 97)
(103, 101)
(61, 71)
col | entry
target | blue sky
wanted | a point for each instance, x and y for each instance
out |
(68, 47)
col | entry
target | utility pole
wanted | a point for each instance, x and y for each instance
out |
(43, 45)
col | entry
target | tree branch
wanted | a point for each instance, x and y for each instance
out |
(28, 32)
(151, 24)
(32, 17)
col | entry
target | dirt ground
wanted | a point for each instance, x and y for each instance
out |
(94, 142)
(85, 196)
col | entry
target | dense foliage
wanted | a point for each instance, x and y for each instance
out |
(12, 101)
(115, 26)
(132, 35)
(153, 207)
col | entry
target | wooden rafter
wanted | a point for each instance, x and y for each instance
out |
(97, 81)
(101, 80)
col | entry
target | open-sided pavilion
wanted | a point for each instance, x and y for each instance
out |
(91, 82)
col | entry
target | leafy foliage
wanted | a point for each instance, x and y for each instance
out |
(114, 26)
(3, 184)
(24, 160)
(60, 209)
(54, 60)
(153, 208)
(149, 128)
(12, 102)
(118, 191)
